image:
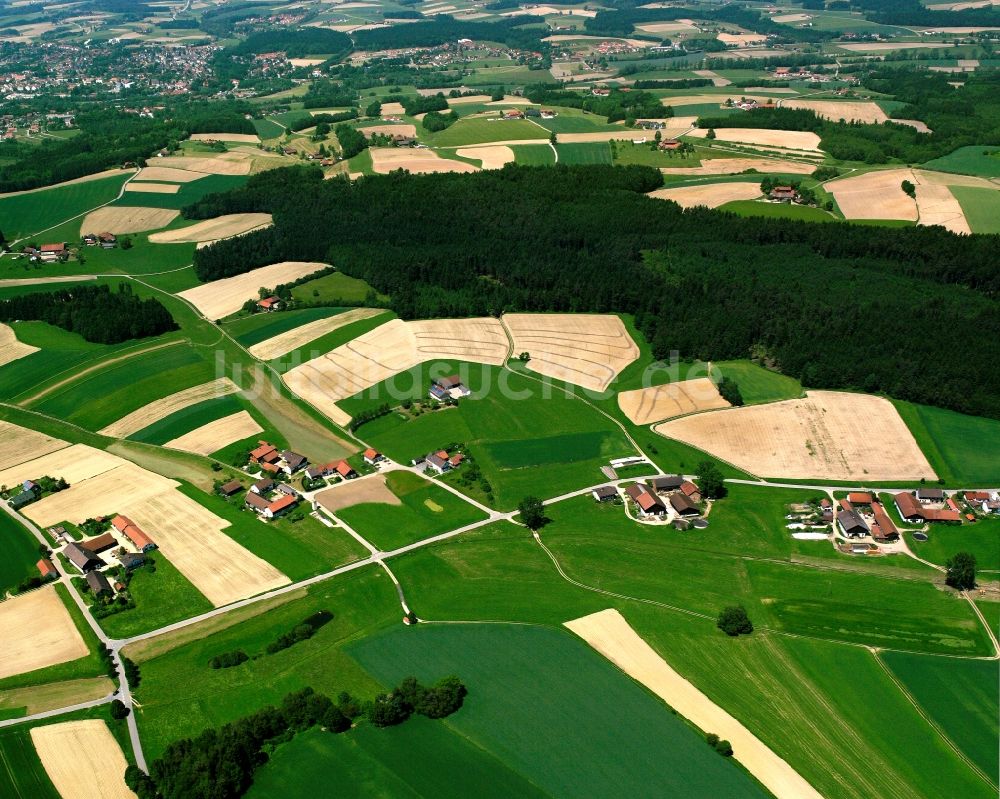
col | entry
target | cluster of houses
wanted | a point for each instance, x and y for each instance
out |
(666, 495)
(450, 387)
(47, 253)
(106, 240)
(269, 498)
(439, 462)
(125, 542)
(861, 515)
(928, 505)
(986, 502)
(270, 460)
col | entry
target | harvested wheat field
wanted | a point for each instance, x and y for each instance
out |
(222, 227)
(356, 492)
(711, 195)
(152, 188)
(20, 444)
(390, 129)
(741, 39)
(209, 165)
(610, 634)
(588, 350)
(479, 340)
(163, 407)
(126, 219)
(654, 404)
(37, 631)
(786, 18)
(217, 434)
(936, 205)
(787, 139)
(668, 27)
(220, 298)
(83, 759)
(73, 463)
(393, 109)
(51, 696)
(245, 138)
(299, 336)
(828, 435)
(874, 195)
(733, 166)
(715, 77)
(169, 174)
(389, 159)
(10, 348)
(835, 111)
(492, 156)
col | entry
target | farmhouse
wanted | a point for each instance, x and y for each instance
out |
(682, 505)
(448, 387)
(912, 510)
(281, 505)
(131, 531)
(783, 193)
(264, 453)
(263, 486)
(649, 504)
(859, 498)
(851, 524)
(345, 470)
(46, 569)
(51, 252)
(690, 490)
(883, 530)
(669, 482)
(291, 462)
(101, 543)
(130, 560)
(670, 144)
(256, 502)
(230, 488)
(930, 495)
(269, 304)
(599, 92)
(604, 493)
(513, 113)
(98, 583)
(438, 461)
(373, 456)
(82, 558)
(107, 240)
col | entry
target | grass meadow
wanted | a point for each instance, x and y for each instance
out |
(533, 155)
(20, 553)
(28, 213)
(981, 207)
(972, 160)
(427, 509)
(250, 330)
(482, 131)
(22, 775)
(604, 735)
(187, 194)
(961, 449)
(758, 384)
(981, 538)
(777, 211)
(597, 152)
(335, 288)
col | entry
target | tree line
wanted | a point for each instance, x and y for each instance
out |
(837, 305)
(98, 314)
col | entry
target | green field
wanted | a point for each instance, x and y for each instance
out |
(961, 449)
(533, 155)
(254, 329)
(102, 396)
(427, 510)
(268, 129)
(20, 553)
(505, 407)
(481, 131)
(31, 212)
(974, 160)
(187, 419)
(981, 207)
(335, 288)
(981, 538)
(571, 120)
(777, 211)
(421, 758)
(961, 696)
(604, 735)
(758, 384)
(598, 152)
(22, 775)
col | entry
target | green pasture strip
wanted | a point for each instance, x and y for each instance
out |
(960, 448)
(188, 419)
(188, 193)
(336, 288)
(981, 207)
(26, 214)
(20, 553)
(260, 327)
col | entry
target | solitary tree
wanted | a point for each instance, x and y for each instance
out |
(961, 571)
(553, 140)
(118, 710)
(532, 512)
(711, 481)
(908, 188)
(734, 621)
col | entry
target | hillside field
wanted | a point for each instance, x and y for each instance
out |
(962, 449)
(30, 212)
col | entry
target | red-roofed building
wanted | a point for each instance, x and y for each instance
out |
(131, 531)
(456, 460)
(52, 252)
(269, 304)
(691, 491)
(649, 503)
(859, 498)
(345, 470)
(846, 506)
(280, 505)
(46, 569)
(373, 456)
(264, 453)
(883, 529)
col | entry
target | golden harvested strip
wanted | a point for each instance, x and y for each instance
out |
(835, 111)
(153, 188)
(297, 337)
(221, 298)
(209, 165)
(715, 77)
(733, 166)
(741, 39)
(711, 195)
(73, 463)
(356, 492)
(654, 404)
(39, 698)
(246, 138)
(589, 350)
(83, 759)
(37, 631)
(163, 407)
(828, 435)
(936, 205)
(20, 444)
(221, 227)
(390, 129)
(168, 174)
(217, 434)
(610, 634)
(788, 139)
(875, 195)
(35, 281)
(481, 340)
(389, 159)
(10, 348)
(126, 219)
(492, 156)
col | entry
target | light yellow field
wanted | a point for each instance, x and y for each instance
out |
(392, 109)
(472, 98)
(167, 173)
(874, 195)
(74, 463)
(835, 111)
(711, 195)
(610, 634)
(666, 27)
(152, 188)
(217, 434)
(880, 47)
(120, 219)
(389, 159)
(20, 444)
(588, 350)
(83, 759)
(704, 99)
(10, 348)
(828, 435)
(938, 206)
(786, 18)
(733, 166)
(389, 349)
(299, 336)
(209, 165)
(39, 698)
(163, 407)
(245, 138)
(391, 129)
(741, 39)
(222, 227)
(787, 139)
(220, 298)
(564, 37)
(491, 156)
(37, 631)
(654, 404)
(356, 492)
(717, 79)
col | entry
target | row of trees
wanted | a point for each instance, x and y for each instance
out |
(837, 305)
(95, 312)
